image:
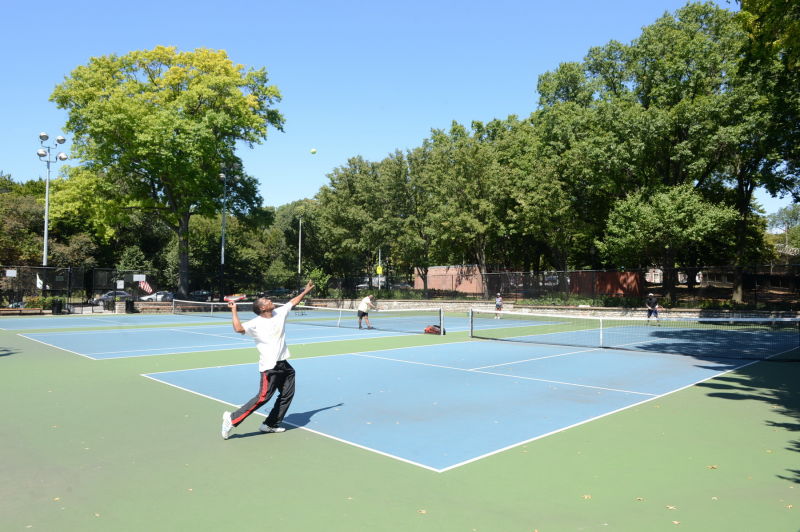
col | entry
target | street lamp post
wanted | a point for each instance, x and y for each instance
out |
(44, 154)
(224, 177)
(299, 247)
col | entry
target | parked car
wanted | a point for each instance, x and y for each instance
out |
(200, 295)
(161, 295)
(111, 296)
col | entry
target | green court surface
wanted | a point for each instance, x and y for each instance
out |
(91, 445)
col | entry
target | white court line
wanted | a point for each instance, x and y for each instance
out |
(476, 458)
(507, 376)
(535, 358)
(55, 346)
(335, 438)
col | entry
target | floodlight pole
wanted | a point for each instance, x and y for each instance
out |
(44, 154)
(224, 178)
(299, 246)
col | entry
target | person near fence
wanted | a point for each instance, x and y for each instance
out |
(652, 306)
(268, 329)
(363, 310)
(498, 305)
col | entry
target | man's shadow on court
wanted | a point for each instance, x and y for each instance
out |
(292, 421)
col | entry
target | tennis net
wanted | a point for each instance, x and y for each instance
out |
(209, 309)
(738, 338)
(397, 320)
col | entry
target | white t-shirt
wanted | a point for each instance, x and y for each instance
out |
(365, 304)
(270, 337)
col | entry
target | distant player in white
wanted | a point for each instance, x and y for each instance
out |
(363, 310)
(498, 305)
(268, 329)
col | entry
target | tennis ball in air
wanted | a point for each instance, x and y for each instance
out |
(313, 151)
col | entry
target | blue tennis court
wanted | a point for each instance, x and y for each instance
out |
(124, 343)
(210, 334)
(93, 320)
(443, 406)
(751, 338)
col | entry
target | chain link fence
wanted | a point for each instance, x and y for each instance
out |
(773, 287)
(71, 289)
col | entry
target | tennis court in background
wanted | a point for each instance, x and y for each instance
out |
(126, 336)
(442, 406)
(732, 337)
(149, 341)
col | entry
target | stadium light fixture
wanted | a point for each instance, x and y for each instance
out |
(44, 154)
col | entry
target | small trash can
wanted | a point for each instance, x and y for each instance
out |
(58, 306)
(129, 306)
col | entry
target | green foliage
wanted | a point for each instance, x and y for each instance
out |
(45, 303)
(157, 127)
(321, 280)
(133, 259)
(664, 228)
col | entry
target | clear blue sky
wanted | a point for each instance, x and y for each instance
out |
(358, 77)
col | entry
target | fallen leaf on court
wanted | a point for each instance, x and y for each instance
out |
(587, 496)
(769, 450)
(422, 511)
(56, 498)
(676, 522)
(712, 467)
(188, 489)
(96, 515)
(790, 506)
(639, 498)
(714, 498)
(670, 507)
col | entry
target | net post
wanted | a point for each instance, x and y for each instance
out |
(471, 335)
(602, 330)
(441, 321)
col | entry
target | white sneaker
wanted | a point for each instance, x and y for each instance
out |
(266, 428)
(227, 425)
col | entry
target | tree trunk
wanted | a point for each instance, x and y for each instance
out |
(183, 256)
(423, 272)
(669, 274)
(480, 259)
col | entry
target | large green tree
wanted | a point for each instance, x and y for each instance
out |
(672, 227)
(157, 127)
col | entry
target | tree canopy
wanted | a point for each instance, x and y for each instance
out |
(155, 129)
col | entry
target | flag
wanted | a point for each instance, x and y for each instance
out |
(39, 283)
(144, 285)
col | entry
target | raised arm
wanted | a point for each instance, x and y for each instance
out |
(299, 297)
(237, 325)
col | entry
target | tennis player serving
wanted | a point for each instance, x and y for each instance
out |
(268, 329)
